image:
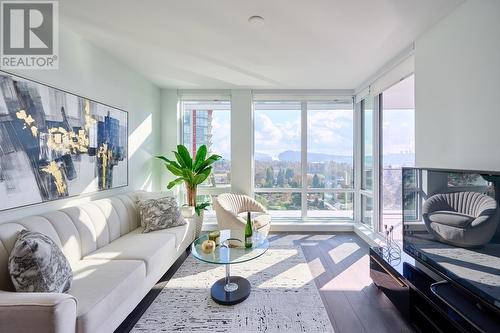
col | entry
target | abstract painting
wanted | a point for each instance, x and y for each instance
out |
(55, 145)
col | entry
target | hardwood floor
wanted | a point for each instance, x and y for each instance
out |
(340, 266)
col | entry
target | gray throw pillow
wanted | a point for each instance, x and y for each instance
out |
(159, 214)
(143, 196)
(37, 264)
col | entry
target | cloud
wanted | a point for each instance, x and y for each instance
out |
(398, 131)
(329, 132)
(221, 134)
(276, 131)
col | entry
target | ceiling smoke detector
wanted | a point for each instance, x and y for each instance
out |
(256, 20)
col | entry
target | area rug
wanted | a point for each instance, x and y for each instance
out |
(284, 298)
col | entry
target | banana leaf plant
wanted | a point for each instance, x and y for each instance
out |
(192, 171)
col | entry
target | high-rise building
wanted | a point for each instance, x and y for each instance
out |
(198, 129)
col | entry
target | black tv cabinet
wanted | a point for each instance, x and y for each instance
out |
(429, 305)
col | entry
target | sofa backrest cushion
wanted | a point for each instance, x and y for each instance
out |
(77, 230)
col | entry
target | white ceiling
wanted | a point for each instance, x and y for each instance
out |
(304, 44)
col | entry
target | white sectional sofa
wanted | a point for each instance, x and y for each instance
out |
(114, 266)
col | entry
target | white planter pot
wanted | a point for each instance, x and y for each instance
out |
(198, 220)
(187, 211)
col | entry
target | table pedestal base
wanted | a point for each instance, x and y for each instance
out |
(223, 297)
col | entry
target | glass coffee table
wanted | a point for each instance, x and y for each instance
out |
(230, 289)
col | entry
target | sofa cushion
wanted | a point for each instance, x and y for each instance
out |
(152, 248)
(37, 264)
(100, 286)
(184, 234)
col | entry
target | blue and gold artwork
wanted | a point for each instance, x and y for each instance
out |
(54, 144)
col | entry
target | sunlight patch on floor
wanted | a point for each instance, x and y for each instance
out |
(343, 251)
(349, 279)
(288, 276)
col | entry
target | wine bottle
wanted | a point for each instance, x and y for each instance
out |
(248, 232)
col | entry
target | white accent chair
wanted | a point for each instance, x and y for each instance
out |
(231, 210)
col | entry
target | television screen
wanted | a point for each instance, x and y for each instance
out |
(451, 222)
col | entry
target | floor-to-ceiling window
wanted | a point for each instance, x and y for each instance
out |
(303, 158)
(278, 157)
(207, 122)
(397, 148)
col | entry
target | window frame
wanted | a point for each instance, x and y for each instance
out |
(304, 190)
(202, 190)
(366, 194)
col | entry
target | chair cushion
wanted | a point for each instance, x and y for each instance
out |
(450, 218)
(152, 248)
(37, 264)
(259, 220)
(100, 286)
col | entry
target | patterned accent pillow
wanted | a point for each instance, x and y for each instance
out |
(143, 196)
(159, 214)
(37, 264)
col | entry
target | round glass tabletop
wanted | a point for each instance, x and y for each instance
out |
(231, 248)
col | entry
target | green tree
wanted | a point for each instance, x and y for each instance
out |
(269, 177)
(289, 174)
(280, 179)
(296, 202)
(315, 182)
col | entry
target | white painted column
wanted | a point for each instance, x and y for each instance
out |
(242, 141)
(170, 131)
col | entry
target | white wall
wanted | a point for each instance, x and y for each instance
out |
(170, 131)
(457, 80)
(241, 141)
(88, 71)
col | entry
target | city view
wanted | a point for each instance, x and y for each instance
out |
(329, 180)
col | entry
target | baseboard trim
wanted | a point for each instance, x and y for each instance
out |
(371, 237)
(311, 227)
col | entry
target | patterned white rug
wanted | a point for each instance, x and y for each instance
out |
(284, 298)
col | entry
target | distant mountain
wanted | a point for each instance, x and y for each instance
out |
(294, 156)
(398, 160)
(394, 160)
(262, 157)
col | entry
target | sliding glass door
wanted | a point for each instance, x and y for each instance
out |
(397, 148)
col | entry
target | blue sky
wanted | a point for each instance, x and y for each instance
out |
(329, 132)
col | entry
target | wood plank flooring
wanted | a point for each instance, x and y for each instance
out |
(340, 266)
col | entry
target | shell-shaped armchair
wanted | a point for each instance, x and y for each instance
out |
(465, 219)
(229, 209)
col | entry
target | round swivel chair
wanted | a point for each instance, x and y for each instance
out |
(464, 219)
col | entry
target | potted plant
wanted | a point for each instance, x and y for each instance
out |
(192, 171)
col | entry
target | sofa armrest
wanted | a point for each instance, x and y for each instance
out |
(37, 312)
